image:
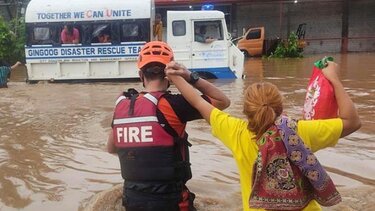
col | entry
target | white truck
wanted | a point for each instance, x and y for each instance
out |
(128, 26)
(219, 58)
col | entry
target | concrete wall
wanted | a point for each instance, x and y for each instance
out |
(362, 24)
(323, 19)
(254, 15)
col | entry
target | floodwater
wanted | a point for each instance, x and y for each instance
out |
(53, 135)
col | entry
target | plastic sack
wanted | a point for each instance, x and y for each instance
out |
(320, 101)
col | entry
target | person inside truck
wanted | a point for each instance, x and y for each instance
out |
(101, 34)
(104, 38)
(158, 28)
(69, 35)
(200, 35)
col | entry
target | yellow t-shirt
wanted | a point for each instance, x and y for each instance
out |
(233, 132)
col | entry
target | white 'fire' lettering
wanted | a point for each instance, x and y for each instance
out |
(134, 134)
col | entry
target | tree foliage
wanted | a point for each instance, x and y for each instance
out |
(19, 29)
(7, 39)
(288, 48)
(12, 40)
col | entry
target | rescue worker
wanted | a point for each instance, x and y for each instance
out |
(148, 134)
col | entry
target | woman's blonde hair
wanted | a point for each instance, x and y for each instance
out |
(263, 104)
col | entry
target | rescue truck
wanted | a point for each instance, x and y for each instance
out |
(127, 25)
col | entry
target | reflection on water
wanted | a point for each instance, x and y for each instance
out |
(52, 148)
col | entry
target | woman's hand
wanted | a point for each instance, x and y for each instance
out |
(330, 72)
(175, 69)
(347, 111)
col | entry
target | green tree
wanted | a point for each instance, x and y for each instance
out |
(12, 40)
(7, 42)
(19, 30)
(288, 48)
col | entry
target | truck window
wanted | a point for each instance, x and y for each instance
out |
(86, 34)
(101, 33)
(42, 35)
(208, 29)
(179, 28)
(70, 34)
(253, 34)
(135, 30)
(130, 32)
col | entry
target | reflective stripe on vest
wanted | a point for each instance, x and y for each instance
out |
(122, 97)
(135, 120)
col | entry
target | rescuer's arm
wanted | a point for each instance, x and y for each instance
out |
(111, 148)
(218, 98)
(347, 111)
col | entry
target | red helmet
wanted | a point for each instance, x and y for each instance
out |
(155, 51)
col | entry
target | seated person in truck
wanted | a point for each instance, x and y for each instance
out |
(104, 38)
(200, 35)
(69, 35)
(101, 34)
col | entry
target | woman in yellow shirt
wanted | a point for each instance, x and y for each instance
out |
(262, 105)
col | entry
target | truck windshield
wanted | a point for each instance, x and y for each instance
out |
(253, 34)
(208, 29)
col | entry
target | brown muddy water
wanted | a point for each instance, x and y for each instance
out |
(53, 135)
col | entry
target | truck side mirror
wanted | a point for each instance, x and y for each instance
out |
(229, 36)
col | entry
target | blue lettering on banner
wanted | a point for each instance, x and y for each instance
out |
(89, 52)
(78, 15)
(54, 16)
(42, 52)
(88, 14)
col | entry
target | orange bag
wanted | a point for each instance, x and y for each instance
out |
(320, 101)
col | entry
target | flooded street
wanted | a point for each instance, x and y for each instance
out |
(53, 136)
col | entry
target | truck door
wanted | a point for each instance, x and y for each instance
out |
(178, 37)
(209, 47)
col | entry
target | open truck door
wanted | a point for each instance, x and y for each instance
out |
(200, 41)
(236, 61)
(252, 42)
